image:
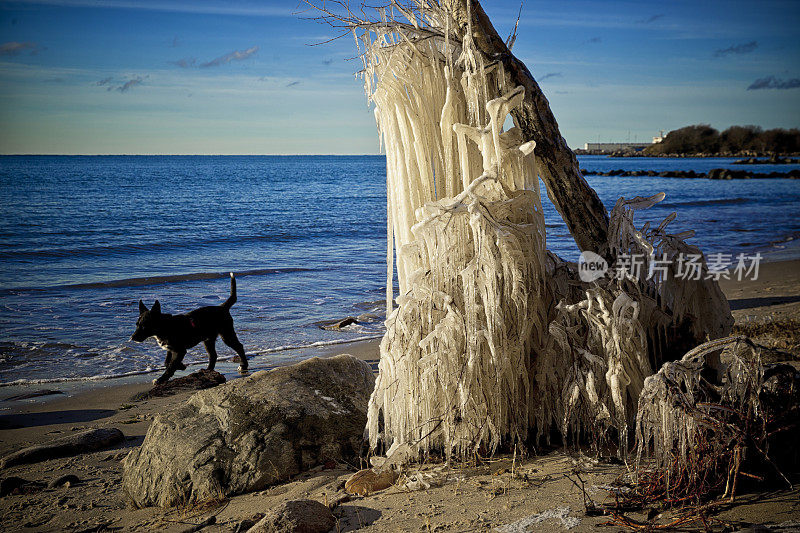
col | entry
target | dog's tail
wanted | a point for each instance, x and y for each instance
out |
(232, 298)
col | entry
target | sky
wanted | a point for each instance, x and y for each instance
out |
(251, 77)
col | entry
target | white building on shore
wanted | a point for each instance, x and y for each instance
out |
(622, 147)
(615, 147)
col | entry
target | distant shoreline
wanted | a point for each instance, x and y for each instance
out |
(713, 174)
(758, 158)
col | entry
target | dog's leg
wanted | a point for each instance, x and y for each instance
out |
(166, 375)
(212, 352)
(172, 364)
(168, 358)
(229, 338)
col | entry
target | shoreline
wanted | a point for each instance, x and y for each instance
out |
(713, 174)
(365, 349)
(482, 497)
(786, 251)
(626, 154)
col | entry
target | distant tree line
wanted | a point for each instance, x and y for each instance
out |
(702, 138)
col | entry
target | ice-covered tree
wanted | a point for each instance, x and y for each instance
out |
(493, 339)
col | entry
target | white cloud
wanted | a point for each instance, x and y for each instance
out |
(14, 48)
(236, 55)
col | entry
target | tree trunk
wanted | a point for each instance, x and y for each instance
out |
(575, 200)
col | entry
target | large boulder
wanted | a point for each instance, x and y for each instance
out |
(252, 432)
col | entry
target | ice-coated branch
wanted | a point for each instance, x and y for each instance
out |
(576, 201)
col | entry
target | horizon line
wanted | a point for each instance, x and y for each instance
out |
(185, 155)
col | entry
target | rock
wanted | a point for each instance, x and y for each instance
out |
(67, 480)
(298, 516)
(11, 484)
(247, 523)
(252, 432)
(17, 485)
(338, 324)
(211, 520)
(367, 481)
(85, 441)
(200, 380)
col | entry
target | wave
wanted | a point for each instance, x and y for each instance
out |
(186, 242)
(315, 344)
(699, 203)
(99, 377)
(178, 278)
(150, 369)
(160, 280)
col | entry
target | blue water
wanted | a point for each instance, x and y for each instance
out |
(81, 239)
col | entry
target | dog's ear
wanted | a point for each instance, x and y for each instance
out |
(142, 307)
(156, 308)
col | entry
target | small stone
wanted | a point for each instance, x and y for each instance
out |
(367, 481)
(297, 516)
(17, 485)
(67, 480)
(247, 523)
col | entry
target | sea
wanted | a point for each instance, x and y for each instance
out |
(84, 238)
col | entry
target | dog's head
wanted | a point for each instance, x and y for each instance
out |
(148, 321)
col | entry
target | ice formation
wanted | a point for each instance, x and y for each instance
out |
(594, 367)
(602, 347)
(493, 337)
(685, 423)
(466, 219)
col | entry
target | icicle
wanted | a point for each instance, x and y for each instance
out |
(469, 235)
(680, 414)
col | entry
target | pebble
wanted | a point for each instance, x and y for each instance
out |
(10, 484)
(67, 480)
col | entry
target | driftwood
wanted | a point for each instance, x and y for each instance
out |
(575, 200)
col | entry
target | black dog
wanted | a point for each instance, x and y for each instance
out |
(178, 333)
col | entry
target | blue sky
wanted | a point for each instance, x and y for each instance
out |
(239, 77)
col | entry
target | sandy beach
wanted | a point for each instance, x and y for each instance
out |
(473, 497)
(470, 282)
